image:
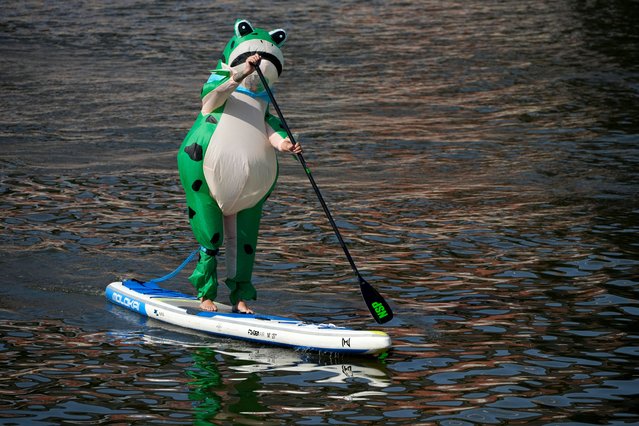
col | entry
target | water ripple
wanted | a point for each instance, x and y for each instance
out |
(480, 159)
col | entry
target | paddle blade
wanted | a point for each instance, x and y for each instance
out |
(380, 310)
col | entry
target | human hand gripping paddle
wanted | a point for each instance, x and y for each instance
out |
(380, 310)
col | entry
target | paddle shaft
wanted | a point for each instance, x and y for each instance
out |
(309, 175)
(379, 308)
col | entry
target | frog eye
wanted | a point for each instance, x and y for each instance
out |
(278, 36)
(243, 27)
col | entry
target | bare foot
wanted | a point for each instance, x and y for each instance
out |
(243, 308)
(208, 305)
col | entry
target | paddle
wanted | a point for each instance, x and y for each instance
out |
(376, 304)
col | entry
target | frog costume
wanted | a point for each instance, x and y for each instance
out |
(227, 162)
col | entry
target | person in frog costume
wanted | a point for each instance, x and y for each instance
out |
(227, 162)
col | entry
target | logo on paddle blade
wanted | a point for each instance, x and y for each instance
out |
(380, 310)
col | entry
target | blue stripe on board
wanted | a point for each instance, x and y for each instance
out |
(153, 290)
(251, 316)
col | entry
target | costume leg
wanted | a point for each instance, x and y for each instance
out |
(205, 216)
(204, 277)
(206, 221)
(241, 241)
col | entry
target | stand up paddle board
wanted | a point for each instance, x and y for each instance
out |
(183, 310)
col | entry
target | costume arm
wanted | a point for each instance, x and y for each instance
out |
(216, 91)
(275, 131)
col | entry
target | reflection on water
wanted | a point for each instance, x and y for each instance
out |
(182, 379)
(480, 158)
(179, 379)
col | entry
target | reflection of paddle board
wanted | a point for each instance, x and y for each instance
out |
(183, 310)
(320, 367)
(263, 360)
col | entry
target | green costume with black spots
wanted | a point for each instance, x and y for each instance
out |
(227, 162)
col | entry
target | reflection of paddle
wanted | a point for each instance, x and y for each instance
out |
(376, 304)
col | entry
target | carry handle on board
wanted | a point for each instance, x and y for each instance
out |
(380, 310)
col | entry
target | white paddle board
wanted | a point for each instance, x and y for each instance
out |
(183, 310)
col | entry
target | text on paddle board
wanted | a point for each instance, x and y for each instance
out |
(126, 301)
(258, 333)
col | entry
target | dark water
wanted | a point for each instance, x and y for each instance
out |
(481, 158)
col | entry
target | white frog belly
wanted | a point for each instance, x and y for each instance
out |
(240, 164)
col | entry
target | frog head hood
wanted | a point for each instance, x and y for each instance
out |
(248, 41)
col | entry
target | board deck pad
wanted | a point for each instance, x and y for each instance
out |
(173, 307)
